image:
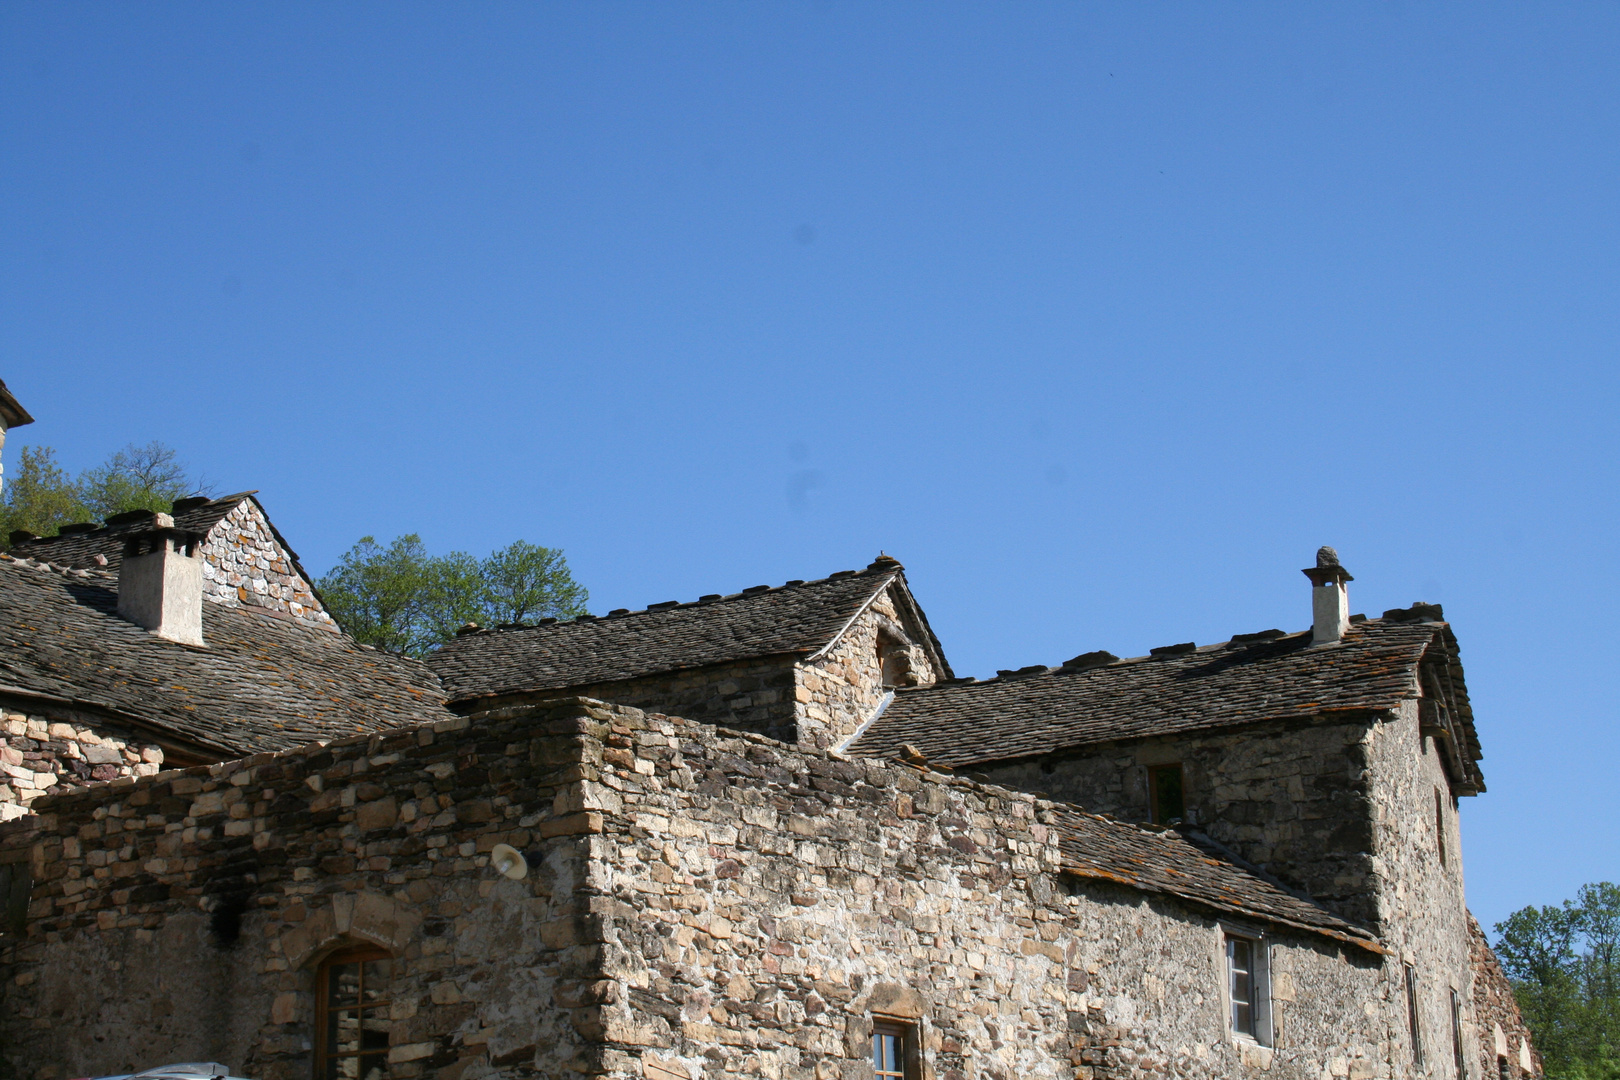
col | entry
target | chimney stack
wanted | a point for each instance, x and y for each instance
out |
(1330, 602)
(160, 581)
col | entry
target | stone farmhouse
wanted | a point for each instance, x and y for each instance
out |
(764, 834)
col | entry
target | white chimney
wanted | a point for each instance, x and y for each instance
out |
(160, 581)
(1330, 602)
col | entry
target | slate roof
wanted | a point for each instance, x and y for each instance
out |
(1253, 677)
(80, 546)
(261, 683)
(800, 617)
(1191, 867)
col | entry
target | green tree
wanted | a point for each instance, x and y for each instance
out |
(38, 496)
(402, 599)
(149, 477)
(1564, 963)
(524, 582)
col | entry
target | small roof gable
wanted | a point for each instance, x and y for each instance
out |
(800, 617)
(1191, 867)
(261, 683)
(1099, 698)
(78, 545)
(12, 414)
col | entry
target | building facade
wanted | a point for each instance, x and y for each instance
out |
(761, 834)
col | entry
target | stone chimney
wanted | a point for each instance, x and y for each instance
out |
(160, 581)
(1330, 602)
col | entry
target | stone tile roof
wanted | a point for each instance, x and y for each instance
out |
(1191, 867)
(260, 683)
(1099, 698)
(79, 546)
(798, 617)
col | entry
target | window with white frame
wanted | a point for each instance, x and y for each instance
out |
(1248, 985)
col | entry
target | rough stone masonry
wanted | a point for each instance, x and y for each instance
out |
(700, 905)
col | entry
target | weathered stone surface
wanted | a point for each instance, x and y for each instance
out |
(45, 753)
(699, 904)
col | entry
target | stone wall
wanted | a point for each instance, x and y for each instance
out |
(701, 905)
(45, 749)
(764, 901)
(201, 900)
(1291, 797)
(749, 695)
(1503, 1034)
(1422, 910)
(243, 563)
(838, 692)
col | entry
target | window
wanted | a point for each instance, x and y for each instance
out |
(894, 1051)
(1412, 1015)
(15, 885)
(1456, 1034)
(1165, 799)
(352, 1015)
(1247, 987)
(1504, 1071)
(1440, 826)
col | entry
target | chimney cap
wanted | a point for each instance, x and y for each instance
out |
(1327, 569)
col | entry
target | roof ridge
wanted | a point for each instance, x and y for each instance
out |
(125, 521)
(673, 605)
(1075, 666)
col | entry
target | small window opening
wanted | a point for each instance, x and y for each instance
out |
(1166, 794)
(1456, 1034)
(352, 1015)
(1440, 825)
(1247, 988)
(1504, 1071)
(1412, 1020)
(16, 882)
(894, 1051)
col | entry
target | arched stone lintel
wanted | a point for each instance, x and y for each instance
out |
(350, 917)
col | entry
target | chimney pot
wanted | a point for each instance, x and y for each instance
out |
(160, 581)
(1330, 601)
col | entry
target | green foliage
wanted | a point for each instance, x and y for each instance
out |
(402, 599)
(1564, 963)
(39, 497)
(148, 477)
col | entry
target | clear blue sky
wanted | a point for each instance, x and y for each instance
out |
(1099, 317)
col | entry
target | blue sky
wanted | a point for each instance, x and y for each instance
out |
(1101, 318)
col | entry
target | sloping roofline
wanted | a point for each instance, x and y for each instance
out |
(12, 414)
(1099, 698)
(485, 663)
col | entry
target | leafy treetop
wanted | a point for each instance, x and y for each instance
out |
(402, 599)
(1564, 963)
(40, 497)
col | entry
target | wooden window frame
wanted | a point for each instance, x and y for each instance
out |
(1440, 826)
(1414, 1016)
(1153, 772)
(907, 1034)
(1456, 1035)
(357, 954)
